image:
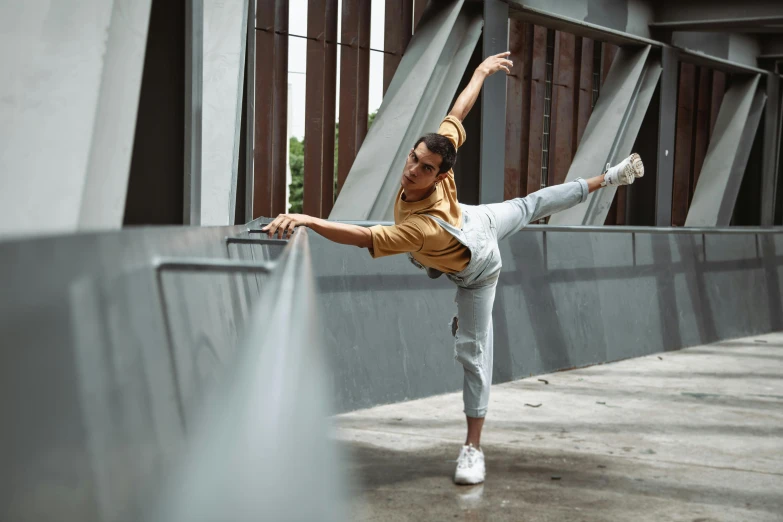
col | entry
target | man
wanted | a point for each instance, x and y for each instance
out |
(443, 236)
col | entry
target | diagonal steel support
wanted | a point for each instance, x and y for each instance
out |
(417, 99)
(727, 156)
(612, 129)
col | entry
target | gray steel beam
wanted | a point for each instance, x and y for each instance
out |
(772, 139)
(250, 111)
(720, 64)
(758, 24)
(727, 156)
(417, 99)
(108, 169)
(611, 132)
(620, 23)
(194, 57)
(605, 21)
(667, 127)
(719, 15)
(493, 106)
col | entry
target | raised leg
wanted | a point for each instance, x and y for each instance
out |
(514, 214)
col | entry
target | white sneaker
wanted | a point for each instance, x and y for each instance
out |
(470, 466)
(625, 172)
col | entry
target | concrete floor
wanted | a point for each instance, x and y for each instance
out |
(694, 435)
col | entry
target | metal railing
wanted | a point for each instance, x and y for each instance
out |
(262, 446)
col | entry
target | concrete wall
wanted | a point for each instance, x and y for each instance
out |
(72, 73)
(565, 299)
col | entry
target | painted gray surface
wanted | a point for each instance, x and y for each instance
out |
(194, 96)
(108, 167)
(565, 299)
(223, 74)
(72, 74)
(417, 99)
(772, 139)
(727, 154)
(611, 130)
(667, 122)
(250, 114)
(699, 11)
(493, 106)
(714, 44)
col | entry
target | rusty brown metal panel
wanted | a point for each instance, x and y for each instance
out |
(271, 102)
(349, 74)
(354, 83)
(562, 133)
(683, 144)
(418, 10)
(280, 129)
(520, 35)
(701, 131)
(609, 52)
(718, 91)
(537, 95)
(320, 107)
(397, 34)
(585, 107)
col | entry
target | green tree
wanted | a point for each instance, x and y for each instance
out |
(296, 160)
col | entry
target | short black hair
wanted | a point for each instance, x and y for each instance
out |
(440, 144)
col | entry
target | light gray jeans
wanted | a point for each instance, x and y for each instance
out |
(483, 226)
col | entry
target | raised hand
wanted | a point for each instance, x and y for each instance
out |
(496, 63)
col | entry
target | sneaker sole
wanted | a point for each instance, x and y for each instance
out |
(634, 169)
(468, 483)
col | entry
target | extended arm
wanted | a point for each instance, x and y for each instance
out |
(341, 233)
(469, 96)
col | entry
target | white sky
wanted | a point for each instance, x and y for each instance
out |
(297, 57)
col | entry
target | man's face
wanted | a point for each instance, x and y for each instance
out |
(421, 169)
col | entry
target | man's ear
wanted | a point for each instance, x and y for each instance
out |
(441, 176)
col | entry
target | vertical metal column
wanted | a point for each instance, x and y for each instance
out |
(354, 83)
(320, 107)
(771, 148)
(194, 55)
(250, 110)
(666, 132)
(238, 129)
(493, 105)
(398, 29)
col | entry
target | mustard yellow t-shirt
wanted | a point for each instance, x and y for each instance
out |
(415, 232)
